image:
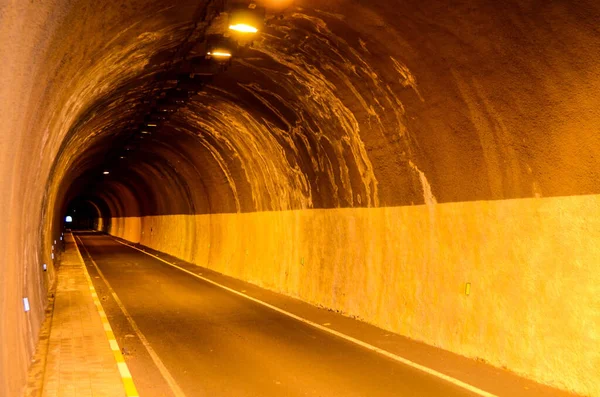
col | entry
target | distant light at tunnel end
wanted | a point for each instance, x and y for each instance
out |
(242, 27)
(106, 172)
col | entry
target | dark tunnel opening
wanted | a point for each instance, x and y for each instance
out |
(86, 214)
(81, 215)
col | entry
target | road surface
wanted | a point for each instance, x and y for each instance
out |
(192, 338)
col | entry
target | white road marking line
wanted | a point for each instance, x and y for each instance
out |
(358, 342)
(153, 355)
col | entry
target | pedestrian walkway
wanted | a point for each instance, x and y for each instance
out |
(80, 361)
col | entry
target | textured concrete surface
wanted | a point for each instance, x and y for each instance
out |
(79, 361)
(338, 104)
(532, 265)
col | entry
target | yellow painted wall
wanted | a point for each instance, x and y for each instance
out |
(534, 265)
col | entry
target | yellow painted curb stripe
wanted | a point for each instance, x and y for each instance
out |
(129, 387)
(128, 384)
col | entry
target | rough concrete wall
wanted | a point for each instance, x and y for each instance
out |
(533, 265)
(26, 153)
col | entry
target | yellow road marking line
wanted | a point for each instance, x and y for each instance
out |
(358, 342)
(114, 345)
(130, 389)
(124, 370)
(153, 355)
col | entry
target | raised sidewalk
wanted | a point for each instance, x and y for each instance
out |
(80, 360)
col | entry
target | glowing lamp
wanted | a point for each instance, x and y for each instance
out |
(106, 172)
(219, 48)
(246, 20)
(243, 28)
(219, 54)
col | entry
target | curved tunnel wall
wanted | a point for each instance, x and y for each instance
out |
(369, 159)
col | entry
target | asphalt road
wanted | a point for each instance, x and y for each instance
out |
(215, 343)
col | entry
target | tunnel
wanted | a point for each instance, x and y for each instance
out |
(428, 168)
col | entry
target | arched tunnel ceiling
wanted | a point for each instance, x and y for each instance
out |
(335, 105)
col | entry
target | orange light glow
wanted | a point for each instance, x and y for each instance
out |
(277, 4)
(243, 28)
(218, 53)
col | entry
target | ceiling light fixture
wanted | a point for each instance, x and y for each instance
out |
(220, 49)
(248, 19)
(219, 54)
(243, 28)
